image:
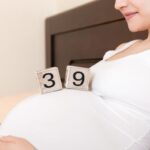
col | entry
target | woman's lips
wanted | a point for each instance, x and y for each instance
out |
(129, 15)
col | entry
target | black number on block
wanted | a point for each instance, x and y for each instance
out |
(51, 76)
(80, 78)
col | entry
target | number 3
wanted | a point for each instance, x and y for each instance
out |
(50, 79)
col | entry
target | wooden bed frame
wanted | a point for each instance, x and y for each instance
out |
(81, 36)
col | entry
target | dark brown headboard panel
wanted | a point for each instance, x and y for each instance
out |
(82, 35)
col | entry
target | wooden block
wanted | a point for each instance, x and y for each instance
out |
(77, 78)
(49, 80)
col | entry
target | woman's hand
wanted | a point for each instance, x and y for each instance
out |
(15, 143)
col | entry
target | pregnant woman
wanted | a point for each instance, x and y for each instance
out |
(114, 115)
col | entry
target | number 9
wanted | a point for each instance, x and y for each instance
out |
(82, 78)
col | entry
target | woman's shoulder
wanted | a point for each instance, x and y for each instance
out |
(120, 45)
(123, 45)
(119, 48)
(109, 53)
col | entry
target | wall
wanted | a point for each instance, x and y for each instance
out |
(22, 49)
(63, 5)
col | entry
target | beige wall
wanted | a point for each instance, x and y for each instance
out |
(22, 49)
(63, 5)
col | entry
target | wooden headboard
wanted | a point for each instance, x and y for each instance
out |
(82, 35)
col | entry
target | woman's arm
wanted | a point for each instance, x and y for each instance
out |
(15, 143)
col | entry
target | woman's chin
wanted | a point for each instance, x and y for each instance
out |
(133, 29)
(136, 28)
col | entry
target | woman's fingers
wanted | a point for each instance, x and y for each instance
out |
(15, 143)
(7, 138)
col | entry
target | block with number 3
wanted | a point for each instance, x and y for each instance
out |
(49, 80)
(77, 78)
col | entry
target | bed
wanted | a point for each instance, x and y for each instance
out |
(73, 119)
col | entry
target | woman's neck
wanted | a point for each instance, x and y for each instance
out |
(148, 37)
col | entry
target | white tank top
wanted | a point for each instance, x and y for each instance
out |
(125, 80)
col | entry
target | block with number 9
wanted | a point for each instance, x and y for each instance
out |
(77, 78)
(49, 80)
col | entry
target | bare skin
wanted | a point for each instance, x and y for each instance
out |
(15, 143)
(137, 47)
(136, 22)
